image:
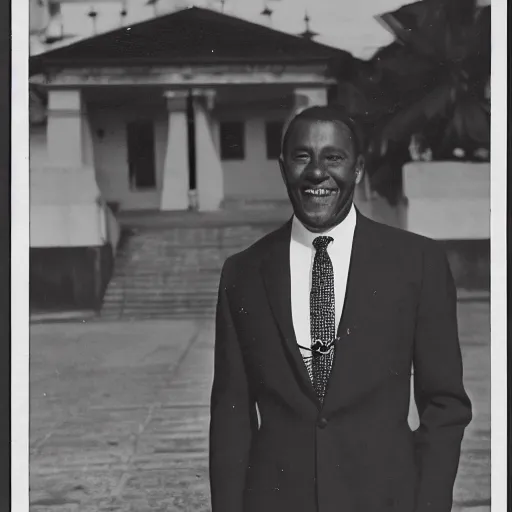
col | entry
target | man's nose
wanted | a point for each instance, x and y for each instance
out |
(315, 173)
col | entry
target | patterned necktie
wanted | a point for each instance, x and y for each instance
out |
(323, 319)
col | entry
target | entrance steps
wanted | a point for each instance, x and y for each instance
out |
(170, 268)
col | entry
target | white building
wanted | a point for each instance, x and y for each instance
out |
(121, 104)
(177, 112)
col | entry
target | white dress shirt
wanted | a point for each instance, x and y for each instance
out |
(302, 255)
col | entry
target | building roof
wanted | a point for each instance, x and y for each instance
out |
(190, 36)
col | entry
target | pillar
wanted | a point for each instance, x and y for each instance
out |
(210, 175)
(64, 194)
(175, 182)
(68, 233)
(65, 128)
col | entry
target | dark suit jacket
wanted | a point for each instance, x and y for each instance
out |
(356, 453)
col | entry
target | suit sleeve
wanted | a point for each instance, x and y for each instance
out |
(233, 414)
(443, 405)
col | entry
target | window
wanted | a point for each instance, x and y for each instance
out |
(273, 134)
(232, 140)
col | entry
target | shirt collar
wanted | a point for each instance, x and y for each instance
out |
(343, 231)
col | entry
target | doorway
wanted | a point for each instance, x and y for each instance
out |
(141, 155)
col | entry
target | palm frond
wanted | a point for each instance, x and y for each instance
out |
(472, 123)
(411, 118)
(437, 69)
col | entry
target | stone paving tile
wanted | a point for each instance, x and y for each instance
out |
(168, 461)
(195, 444)
(472, 487)
(119, 415)
(180, 421)
(474, 506)
(94, 439)
(473, 479)
(176, 490)
(70, 489)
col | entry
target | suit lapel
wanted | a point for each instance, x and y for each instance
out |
(276, 277)
(358, 349)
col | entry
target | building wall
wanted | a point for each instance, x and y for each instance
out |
(255, 177)
(111, 155)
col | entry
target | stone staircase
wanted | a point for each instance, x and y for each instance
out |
(173, 272)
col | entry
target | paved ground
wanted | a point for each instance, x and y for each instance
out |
(119, 415)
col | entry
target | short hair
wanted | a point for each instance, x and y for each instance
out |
(325, 113)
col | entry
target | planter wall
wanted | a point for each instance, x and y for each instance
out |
(69, 278)
(448, 200)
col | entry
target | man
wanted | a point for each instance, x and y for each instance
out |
(318, 325)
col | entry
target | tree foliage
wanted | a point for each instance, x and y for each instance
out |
(432, 80)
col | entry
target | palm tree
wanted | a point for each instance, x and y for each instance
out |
(432, 80)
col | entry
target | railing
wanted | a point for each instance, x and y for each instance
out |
(107, 224)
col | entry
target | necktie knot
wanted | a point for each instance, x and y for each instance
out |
(320, 243)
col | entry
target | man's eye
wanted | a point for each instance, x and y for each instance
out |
(301, 156)
(335, 158)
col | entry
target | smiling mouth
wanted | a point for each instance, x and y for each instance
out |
(319, 192)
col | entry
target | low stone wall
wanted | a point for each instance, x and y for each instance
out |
(470, 262)
(69, 278)
(449, 202)
(73, 240)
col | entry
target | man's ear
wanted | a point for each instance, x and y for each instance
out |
(359, 169)
(282, 168)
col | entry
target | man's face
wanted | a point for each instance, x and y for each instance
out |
(320, 169)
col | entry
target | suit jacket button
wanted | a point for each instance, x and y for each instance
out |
(322, 422)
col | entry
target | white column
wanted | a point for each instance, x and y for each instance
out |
(64, 196)
(175, 183)
(68, 135)
(65, 128)
(209, 172)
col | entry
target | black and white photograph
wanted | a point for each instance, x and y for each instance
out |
(260, 264)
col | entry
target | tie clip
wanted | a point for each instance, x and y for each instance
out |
(321, 347)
